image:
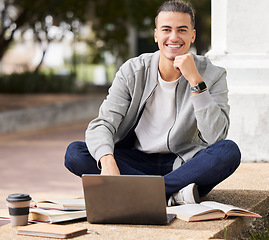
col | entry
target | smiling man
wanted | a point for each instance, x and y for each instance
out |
(166, 114)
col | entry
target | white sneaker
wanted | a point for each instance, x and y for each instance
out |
(187, 195)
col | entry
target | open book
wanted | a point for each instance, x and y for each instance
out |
(208, 210)
(53, 216)
(60, 204)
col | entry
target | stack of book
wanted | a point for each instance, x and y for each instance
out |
(57, 210)
(52, 211)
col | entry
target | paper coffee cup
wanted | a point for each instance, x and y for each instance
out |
(18, 206)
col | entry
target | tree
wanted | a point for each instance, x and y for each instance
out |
(112, 20)
(40, 16)
(202, 25)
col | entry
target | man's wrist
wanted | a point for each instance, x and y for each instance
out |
(106, 160)
(109, 165)
(195, 78)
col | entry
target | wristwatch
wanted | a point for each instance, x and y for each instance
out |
(200, 87)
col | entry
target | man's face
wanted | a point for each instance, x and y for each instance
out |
(174, 34)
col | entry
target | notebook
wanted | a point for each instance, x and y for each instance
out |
(125, 199)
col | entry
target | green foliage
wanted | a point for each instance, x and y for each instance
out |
(25, 14)
(203, 24)
(112, 20)
(261, 235)
(62, 10)
(109, 19)
(225, 232)
(36, 83)
(56, 81)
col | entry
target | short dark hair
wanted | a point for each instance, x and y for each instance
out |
(177, 6)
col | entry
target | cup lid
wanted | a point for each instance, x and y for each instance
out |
(18, 197)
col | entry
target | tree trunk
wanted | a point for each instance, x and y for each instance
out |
(5, 42)
(41, 61)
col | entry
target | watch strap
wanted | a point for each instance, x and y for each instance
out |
(200, 87)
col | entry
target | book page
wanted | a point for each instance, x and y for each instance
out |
(73, 204)
(230, 209)
(195, 212)
(216, 205)
(224, 207)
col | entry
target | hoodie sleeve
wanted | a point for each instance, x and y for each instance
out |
(211, 107)
(100, 131)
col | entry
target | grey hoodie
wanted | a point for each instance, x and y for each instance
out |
(200, 120)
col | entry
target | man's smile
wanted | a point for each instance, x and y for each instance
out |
(174, 45)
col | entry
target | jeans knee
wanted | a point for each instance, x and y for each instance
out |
(70, 154)
(234, 152)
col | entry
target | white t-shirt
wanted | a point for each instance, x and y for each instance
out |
(157, 119)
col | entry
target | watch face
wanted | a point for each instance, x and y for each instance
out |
(202, 86)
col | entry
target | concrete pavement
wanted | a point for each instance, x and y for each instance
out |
(32, 162)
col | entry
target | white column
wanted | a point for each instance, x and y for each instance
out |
(240, 43)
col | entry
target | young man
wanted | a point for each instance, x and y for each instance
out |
(166, 114)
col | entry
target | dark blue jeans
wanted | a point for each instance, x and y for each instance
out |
(207, 168)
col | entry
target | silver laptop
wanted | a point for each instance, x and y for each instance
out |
(125, 199)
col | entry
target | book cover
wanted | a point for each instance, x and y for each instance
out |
(51, 230)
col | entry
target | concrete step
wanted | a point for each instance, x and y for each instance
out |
(32, 162)
(28, 112)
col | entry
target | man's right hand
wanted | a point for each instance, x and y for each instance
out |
(109, 165)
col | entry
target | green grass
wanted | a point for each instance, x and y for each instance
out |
(261, 235)
(85, 72)
(251, 235)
